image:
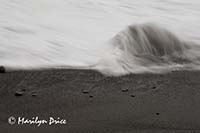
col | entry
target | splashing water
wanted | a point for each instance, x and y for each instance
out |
(148, 48)
(75, 33)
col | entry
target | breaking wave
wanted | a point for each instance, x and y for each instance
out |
(148, 48)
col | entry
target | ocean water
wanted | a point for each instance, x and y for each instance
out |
(115, 37)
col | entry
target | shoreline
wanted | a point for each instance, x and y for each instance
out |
(91, 102)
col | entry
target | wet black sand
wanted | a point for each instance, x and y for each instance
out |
(91, 102)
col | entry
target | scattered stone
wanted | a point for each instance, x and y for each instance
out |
(124, 90)
(19, 93)
(2, 69)
(91, 96)
(132, 95)
(85, 91)
(154, 87)
(34, 94)
(157, 113)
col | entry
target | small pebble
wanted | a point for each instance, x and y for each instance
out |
(2, 69)
(124, 90)
(34, 94)
(18, 93)
(132, 95)
(85, 91)
(91, 96)
(154, 87)
(157, 113)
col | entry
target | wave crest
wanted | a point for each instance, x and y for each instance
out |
(148, 48)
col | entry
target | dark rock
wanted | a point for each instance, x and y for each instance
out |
(124, 90)
(91, 96)
(2, 69)
(18, 93)
(34, 94)
(132, 95)
(154, 87)
(85, 91)
(157, 113)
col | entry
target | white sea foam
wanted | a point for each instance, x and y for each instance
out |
(86, 33)
(148, 48)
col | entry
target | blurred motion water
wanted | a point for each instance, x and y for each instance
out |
(51, 33)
